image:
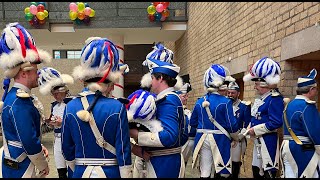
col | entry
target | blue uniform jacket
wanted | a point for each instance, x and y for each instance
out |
(222, 111)
(21, 123)
(174, 134)
(242, 114)
(78, 140)
(303, 117)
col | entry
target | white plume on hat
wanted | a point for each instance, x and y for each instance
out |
(18, 46)
(50, 78)
(99, 59)
(214, 76)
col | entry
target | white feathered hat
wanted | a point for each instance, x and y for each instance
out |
(49, 78)
(264, 70)
(214, 77)
(163, 54)
(99, 63)
(18, 50)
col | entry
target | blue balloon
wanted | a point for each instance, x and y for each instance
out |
(43, 3)
(157, 16)
(86, 5)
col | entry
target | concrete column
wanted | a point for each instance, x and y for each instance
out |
(118, 40)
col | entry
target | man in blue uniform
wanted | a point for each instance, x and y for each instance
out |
(51, 81)
(23, 153)
(242, 112)
(266, 118)
(95, 130)
(165, 146)
(216, 126)
(300, 150)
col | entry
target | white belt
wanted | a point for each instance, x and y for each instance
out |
(164, 152)
(57, 135)
(209, 131)
(96, 162)
(302, 138)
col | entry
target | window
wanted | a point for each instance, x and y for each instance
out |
(57, 55)
(73, 54)
(67, 54)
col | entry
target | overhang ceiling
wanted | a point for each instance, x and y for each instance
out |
(168, 32)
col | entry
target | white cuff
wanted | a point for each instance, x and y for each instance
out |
(39, 160)
(149, 139)
(260, 129)
(317, 147)
(71, 164)
(126, 171)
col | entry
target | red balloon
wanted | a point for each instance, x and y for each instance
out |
(151, 17)
(31, 22)
(40, 8)
(155, 3)
(165, 4)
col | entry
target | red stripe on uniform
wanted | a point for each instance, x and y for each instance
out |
(119, 85)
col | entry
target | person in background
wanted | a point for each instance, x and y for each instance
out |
(95, 130)
(51, 81)
(242, 112)
(266, 113)
(215, 131)
(187, 148)
(300, 149)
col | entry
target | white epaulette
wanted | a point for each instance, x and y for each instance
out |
(310, 102)
(22, 94)
(275, 93)
(247, 103)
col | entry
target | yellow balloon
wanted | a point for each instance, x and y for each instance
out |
(73, 15)
(151, 9)
(45, 13)
(26, 10)
(92, 13)
(81, 6)
(40, 15)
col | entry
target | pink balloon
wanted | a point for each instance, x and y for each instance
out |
(73, 7)
(87, 11)
(159, 8)
(33, 9)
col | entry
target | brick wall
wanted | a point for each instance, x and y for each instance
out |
(218, 31)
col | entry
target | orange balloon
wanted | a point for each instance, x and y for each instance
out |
(165, 13)
(42, 21)
(81, 15)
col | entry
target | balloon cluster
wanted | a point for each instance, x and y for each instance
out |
(36, 14)
(158, 11)
(81, 12)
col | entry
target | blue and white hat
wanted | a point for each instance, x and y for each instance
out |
(233, 86)
(184, 89)
(141, 105)
(161, 53)
(264, 70)
(18, 50)
(50, 78)
(308, 80)
(169, 69)
(215, 76)
(99, 63)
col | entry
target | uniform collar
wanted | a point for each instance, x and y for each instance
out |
(302, 97)
(237, 102)
(164, 92)
(265, 95)
(21, 86)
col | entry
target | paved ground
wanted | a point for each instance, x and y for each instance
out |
(47, 140)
